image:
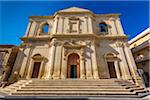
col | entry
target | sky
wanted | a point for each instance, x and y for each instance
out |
(14, 15)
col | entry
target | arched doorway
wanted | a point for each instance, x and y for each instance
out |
(36, 69)
(73, 66)
(111, 58)
(112, 70)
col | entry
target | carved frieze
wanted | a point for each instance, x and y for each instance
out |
(74, 46)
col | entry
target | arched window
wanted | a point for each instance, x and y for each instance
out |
(103, 27)
(45, 28)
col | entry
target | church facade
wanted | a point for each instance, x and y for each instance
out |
(75, 43)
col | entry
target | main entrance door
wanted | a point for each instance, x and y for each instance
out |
(36, 69)
(112, 70)
(73, 66)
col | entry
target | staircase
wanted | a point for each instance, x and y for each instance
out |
(113, 88)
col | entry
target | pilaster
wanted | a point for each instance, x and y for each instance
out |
(57, 62)
(114, 27)
(64, 65)
(119, 26)
(94, 62)
(132, 65)
(90, 24)
(117, 69)
(51, 59)
(88, 62)
(123, 63)
(56, 25)
(28, 28)
(82, 65)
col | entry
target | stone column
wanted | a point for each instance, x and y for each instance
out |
(41, 68)
(117, 69)
(23, 65)
(28, 29)
(30, 47)
(51, 59)
(30, 69)
(114, 28)
(58, 59)
(64, 65)
(86, 25)
(90, 24)
(82, 68)
(123, 63)
(32, 29)
(88, 62)
(63, 18)
(94, 62)
(132, 64)
(119, 26)
(56, 25)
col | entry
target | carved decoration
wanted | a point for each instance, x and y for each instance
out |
(119, 44)
(126, 44)
(74, 25)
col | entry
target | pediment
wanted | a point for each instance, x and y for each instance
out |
(74, 9)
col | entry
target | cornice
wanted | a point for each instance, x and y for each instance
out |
(58, 13)
(107, 15)
(89, 36)
(45, 38)
(80, 36)
(43, 17)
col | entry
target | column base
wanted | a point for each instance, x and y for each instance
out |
(96, 77)
(63, 77)
(128, 77)
(82, 77)
(89, 77)
(56, 77)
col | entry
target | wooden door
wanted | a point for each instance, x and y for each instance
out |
(36, 69)
(73, 66)
(112, 70)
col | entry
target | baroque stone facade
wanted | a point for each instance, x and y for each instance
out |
(76, 43)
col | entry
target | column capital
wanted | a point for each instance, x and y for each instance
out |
(119, 44)
(126, 44)
(112, 19)
(86, 17)
(62, 17)
(88, 43)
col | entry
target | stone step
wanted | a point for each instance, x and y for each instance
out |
(55, 81)
(74, 97)
(74, 89)
(140, 91)
(76, 82)
(72, 85)
(120, 80)
(55, 87)
(71, 92)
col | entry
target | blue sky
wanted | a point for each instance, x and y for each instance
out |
(14, 15)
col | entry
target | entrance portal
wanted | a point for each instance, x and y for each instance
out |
(36, 69)
(73, 66)
(112, 70)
